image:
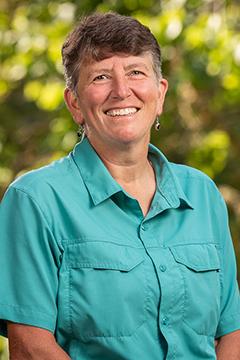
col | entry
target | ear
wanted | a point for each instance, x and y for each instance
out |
(163, 86)
(73, 106)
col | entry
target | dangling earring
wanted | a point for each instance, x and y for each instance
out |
(81, 132)
(157, 123)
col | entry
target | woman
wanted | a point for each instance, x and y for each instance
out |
(117, 253)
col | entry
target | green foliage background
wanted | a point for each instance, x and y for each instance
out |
(201, 59)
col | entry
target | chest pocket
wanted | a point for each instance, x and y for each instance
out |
(200, 268)
(105, 280)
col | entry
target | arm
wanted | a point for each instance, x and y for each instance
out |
(228, 346)
(32, 343)
(30, 259)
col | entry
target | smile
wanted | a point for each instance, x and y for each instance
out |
(122, 112)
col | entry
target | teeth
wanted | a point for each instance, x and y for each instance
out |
(120, 112)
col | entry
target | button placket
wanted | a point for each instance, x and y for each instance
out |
(143, 227)
(172, 292)
(165, 320)
(162, 268)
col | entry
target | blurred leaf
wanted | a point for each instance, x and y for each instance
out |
(210, 155)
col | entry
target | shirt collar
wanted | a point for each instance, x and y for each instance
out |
(98, 180)
(101, 185)
(167, 182)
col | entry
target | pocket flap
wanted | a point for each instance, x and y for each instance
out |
(198, 257)
(103, 255)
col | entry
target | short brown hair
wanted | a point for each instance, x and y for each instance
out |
(98, 36)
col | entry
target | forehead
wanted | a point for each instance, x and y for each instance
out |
(123, 60)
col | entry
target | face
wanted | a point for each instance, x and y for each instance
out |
(117, 100)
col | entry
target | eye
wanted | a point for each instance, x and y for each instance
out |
(137, 73)
(100, 77)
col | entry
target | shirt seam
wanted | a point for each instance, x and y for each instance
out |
(227, 318)
(18, 307)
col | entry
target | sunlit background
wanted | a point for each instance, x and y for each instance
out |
(201, 59)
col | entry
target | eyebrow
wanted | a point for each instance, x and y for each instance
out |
(128, 67)
(131, 66)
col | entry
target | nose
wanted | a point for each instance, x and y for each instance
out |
(120, 87)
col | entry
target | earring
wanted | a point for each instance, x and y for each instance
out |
(157, 123)
(81, 132)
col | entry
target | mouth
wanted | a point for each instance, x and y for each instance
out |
(122, 111)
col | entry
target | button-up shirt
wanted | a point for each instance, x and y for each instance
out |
(78, 258)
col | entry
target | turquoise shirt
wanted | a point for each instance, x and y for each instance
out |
(78, 258)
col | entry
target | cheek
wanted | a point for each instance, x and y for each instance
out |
(148, 92)
(95, 97)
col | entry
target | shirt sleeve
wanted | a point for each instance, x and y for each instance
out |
(29, 261)
(230, 301)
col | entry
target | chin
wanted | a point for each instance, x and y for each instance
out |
(127, 136)
(127, 140)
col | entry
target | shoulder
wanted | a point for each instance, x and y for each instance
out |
(197, 185)
(37, 182)
(188, 174)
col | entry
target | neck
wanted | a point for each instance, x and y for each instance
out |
(131, 168)
(126, 164)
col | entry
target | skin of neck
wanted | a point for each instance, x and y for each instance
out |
(127, 163)
(129, 166)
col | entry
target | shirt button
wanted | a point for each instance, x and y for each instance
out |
(164, 320)
(143, 228)
(162, 268)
